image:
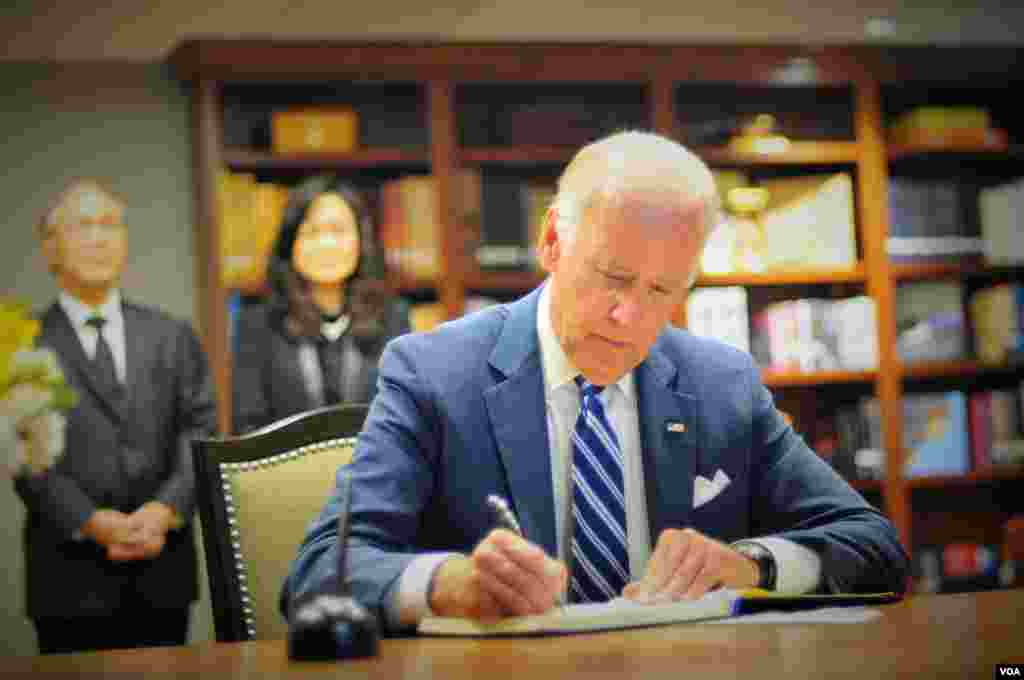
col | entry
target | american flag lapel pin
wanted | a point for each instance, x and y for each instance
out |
(675, 426)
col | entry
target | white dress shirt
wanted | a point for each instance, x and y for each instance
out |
(113, 330)
(798, 568)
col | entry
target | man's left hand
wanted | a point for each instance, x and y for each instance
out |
(686, 564)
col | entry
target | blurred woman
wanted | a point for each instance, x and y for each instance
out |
(318, 338)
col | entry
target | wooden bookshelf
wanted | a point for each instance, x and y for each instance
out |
(786, 278)
(995, 150)
(796, 378)
(973, 478)
(797, 153)
(464, 99)
(250, 159)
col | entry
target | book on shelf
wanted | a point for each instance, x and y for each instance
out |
(945, 126)
(930, 321)
(512, 215)
(809, 222)
(997, 315)
(411, 226)
(961, 566)
(1002, 230)
(720, 313)
(250, 214)
(538, 196)
(935, 437)
(810, 335)
(314, 129)
(1006, 440)
(425, 316)
(852, 438)
(935, 433)
(979, 425)
(928, 221)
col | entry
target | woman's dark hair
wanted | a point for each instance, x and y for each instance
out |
(366, 295)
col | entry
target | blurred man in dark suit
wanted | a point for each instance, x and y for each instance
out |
(109, 548)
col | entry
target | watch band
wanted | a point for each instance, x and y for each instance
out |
(764, 560)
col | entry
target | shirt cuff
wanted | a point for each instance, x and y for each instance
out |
(797, 568)
(409, 603)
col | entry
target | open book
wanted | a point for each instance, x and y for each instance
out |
(623, 613)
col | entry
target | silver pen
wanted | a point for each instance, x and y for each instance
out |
(504, 518)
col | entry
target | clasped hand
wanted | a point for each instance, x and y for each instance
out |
(506, 575)
(131, 536)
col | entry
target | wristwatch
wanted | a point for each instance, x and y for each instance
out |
(764, 560)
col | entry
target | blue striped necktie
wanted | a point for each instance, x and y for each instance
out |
(600, 561)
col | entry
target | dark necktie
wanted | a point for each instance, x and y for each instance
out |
(332, 361)
(600, 558)
(103, 360)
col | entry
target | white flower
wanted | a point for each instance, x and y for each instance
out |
(24, 401)
(44, 442)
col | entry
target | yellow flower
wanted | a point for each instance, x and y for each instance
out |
(21, 364)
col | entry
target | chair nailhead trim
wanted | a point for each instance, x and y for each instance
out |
(227, 469)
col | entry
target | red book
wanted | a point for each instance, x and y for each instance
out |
(979, 424)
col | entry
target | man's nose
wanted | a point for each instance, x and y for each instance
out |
(626, 310)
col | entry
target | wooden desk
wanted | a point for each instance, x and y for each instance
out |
(929, 636)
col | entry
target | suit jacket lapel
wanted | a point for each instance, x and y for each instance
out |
(517, 411)
(60, 335)
(133, 351)
(668, 442)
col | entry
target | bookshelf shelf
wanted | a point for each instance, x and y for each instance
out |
(798, 153)
(965, 368)
(785, 278)
(867, 485)
(503, 282)
(994, 150)
(974, 267)
(249, 159)
(993, 474)
(525, 155)
(447, 107)
(796, 378)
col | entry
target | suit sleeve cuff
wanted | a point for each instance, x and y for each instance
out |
(797, 568)
(409, 603)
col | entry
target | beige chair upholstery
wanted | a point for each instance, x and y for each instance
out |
(257, 495)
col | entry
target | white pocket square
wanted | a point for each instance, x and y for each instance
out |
(705, 489)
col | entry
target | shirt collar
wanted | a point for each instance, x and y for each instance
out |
(558, 369)
(79, 312)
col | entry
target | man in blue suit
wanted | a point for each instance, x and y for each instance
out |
(714, 488)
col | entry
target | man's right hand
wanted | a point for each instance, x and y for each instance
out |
(506, 575)
(110, 527)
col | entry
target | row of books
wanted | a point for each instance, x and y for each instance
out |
(804, 335)
(782, 223)
(942, 220)
(944, 433)
(499, 218)
(964, 567)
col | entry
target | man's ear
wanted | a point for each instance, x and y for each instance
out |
(548, 245)
(50, 251)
